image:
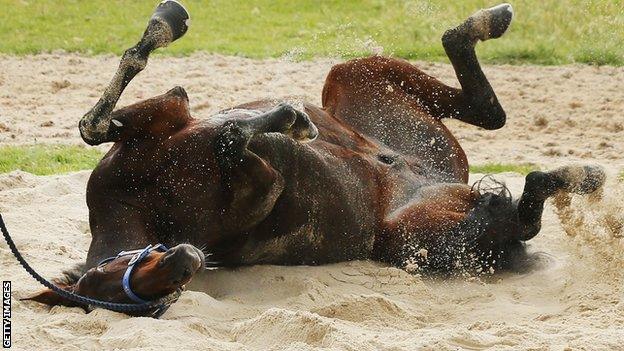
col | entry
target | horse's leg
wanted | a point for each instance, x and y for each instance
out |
(401, 106)
(476, 103)
(381, 82)
(540, 186)
(500, 225)
(453, 225)
(250, 184)
(166, 25)
(380, 97)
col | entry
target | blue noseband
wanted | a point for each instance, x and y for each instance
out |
(139, 255)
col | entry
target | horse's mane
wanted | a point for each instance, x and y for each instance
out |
(488, 184)
(72, 275)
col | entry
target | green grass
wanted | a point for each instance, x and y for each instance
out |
(492, 168)
(48, 159)
(544, 32)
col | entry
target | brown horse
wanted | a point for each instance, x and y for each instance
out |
(372, 174)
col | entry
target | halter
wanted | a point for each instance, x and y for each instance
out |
(138, 256)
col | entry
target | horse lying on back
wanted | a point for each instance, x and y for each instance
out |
(372, 174)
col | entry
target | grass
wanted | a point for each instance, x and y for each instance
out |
(544, 32)
(492, 168)
(48, 159)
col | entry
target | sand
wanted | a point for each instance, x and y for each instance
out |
(573, 300)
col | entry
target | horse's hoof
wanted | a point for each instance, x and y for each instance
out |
(293, 122)
(284, 117)
(175, 15)
(581, 179)
(303, 130)
(491, 23)
(168, 23)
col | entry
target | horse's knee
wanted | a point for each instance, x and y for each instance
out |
(540, 185)
(495, 116)
(486, 111)
(91, 133)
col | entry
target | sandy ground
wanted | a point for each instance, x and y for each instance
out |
(575, 112)
(573, 301)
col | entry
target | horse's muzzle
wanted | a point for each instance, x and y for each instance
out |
(182, 261)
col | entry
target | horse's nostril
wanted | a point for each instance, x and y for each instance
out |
(165, 258)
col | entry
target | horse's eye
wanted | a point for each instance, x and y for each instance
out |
(387, 159)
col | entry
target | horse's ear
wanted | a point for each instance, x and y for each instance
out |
(68, 282)
(51, 298)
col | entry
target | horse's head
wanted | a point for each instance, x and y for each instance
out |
(132, 277)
